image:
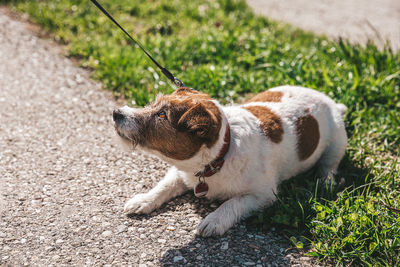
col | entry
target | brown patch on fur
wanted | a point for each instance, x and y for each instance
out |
(185, 91)
(267, 96)
(192, 120)
(307, 129)
(307, 110)
(271, 123)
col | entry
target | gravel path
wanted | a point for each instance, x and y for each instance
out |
(356, 20)
(63, 179)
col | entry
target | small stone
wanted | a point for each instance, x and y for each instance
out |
(178, 258)
(48, 248)
(162, 241)
(138, 186)
(106, 233)
(249, 263)
(171, 228)
(225, 245)
(55, 257)
(199, 257)
(259, 237)
(121, 228)
(59, 241)
(23, 241)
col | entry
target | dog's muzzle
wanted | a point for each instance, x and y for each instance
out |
(126, 124)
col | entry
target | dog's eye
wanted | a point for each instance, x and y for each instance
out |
(162, 115)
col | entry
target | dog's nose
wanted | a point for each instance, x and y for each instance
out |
(118, 116)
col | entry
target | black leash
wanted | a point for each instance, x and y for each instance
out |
(166, 72)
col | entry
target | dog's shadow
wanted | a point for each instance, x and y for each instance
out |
(263, 238)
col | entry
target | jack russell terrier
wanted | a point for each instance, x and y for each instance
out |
(238, 153)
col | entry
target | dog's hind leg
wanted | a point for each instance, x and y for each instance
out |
(332, 156)
(169, 187)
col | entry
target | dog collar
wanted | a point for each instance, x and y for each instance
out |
(213, 167)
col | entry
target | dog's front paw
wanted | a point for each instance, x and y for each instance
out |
(213, 224)
(139, 204)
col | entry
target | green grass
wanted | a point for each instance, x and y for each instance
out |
(221, 48)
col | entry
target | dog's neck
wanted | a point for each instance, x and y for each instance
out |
(215, 165)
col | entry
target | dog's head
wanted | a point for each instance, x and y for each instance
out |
(175, 125)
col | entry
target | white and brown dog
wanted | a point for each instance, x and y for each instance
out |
(238, 153)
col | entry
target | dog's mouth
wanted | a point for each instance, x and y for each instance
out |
(132, 140)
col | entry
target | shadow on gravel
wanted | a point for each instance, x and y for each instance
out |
(243, 244)
(239, 246)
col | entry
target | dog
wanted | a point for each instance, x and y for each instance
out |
(237, 153)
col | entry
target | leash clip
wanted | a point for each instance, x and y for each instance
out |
(178, 82)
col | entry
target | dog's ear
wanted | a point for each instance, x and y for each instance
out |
(199, 120)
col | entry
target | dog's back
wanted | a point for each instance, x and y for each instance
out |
(301, 126)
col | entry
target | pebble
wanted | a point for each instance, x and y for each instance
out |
(55, 258)
(106, 233)
(225, 245)
(249, 263)
(48, 248)
(121, 228)
(162, 241)
(178, 258)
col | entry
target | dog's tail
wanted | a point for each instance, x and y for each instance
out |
(342, 109)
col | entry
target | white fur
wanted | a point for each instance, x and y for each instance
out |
(254, 165)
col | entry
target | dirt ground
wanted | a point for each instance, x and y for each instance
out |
(355, 20)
